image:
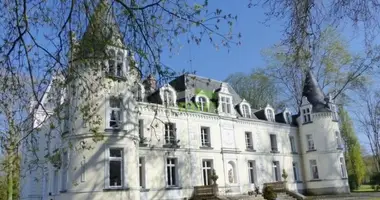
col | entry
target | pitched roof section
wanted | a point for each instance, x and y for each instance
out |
(102, 31)
(314, 94)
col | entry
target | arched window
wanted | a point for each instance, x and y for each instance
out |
(270, 114)
(245, 111)
(231, 171)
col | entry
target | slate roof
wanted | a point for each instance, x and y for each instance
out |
(101, 31)
(313, 92)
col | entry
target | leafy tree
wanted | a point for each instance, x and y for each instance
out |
(256, 88)
(354, 159)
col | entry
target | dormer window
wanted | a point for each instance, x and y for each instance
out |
(168, 96)
(111, 63)
(119, 66)
(245, 109)
(288, 117)
(226, 104)
(306, 112)
(269, 114)
(202, 103)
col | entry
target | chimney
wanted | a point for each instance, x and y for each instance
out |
(150, 84)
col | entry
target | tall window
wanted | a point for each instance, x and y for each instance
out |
(306, 115)
(334, 112)
(111, 63)
(170, 136)
(83, 169)
(248, 140)
(171, 172)
(115, 167)
(310, 142)
(314, 169)
(65, 165)
(295, 171)
(273, 142)
(207, 170)
(142, 172)
(246, 111)
(205, 137)
(115, 112)
(226, 104)
(202, 104)
(292, 144)
(338, 140)
(119, 65)
(55, 182)
(168, 98)
(141, 129)
(342, 167)
(270, 115)
(251, 171)
(276, 171)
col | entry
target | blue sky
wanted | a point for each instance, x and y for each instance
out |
(218, 64)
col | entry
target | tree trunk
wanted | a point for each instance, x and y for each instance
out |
(10, 170)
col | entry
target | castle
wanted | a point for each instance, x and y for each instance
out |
(159, 143)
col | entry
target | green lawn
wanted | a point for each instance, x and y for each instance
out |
(364, 188)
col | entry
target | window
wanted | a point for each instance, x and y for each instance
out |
(83, 170)
(207, 172)
(270, 115)
(338, 140)
(142, 172)
(119, 66)
(55, 182)
(273, 143)
(314, 169)
(226, 104)
(306, 115)
(295, 172)
(276, 171)
(141, 129)
(342, 167)
(171, 172)
(252, 171)
(111, 63)
(245, 111)
(334, 112)
(115, 167)
(115, 112)
(202, 104)
(170, 137)
(310, 142)
(205, 137)
(168, 98)
(65, 165)
(288, 117)
(292, 144)
(248, 140)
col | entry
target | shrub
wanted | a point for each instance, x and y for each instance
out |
(375, 181)
(268, 193)
(352, 181)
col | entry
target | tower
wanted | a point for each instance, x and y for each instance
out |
(321, 145)
(102, 117)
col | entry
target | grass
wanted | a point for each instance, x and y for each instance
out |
(365, 188)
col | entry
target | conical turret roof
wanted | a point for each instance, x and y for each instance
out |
(314, 94)
(102, 31)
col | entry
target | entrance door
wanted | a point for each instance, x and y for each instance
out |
(207, 170)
